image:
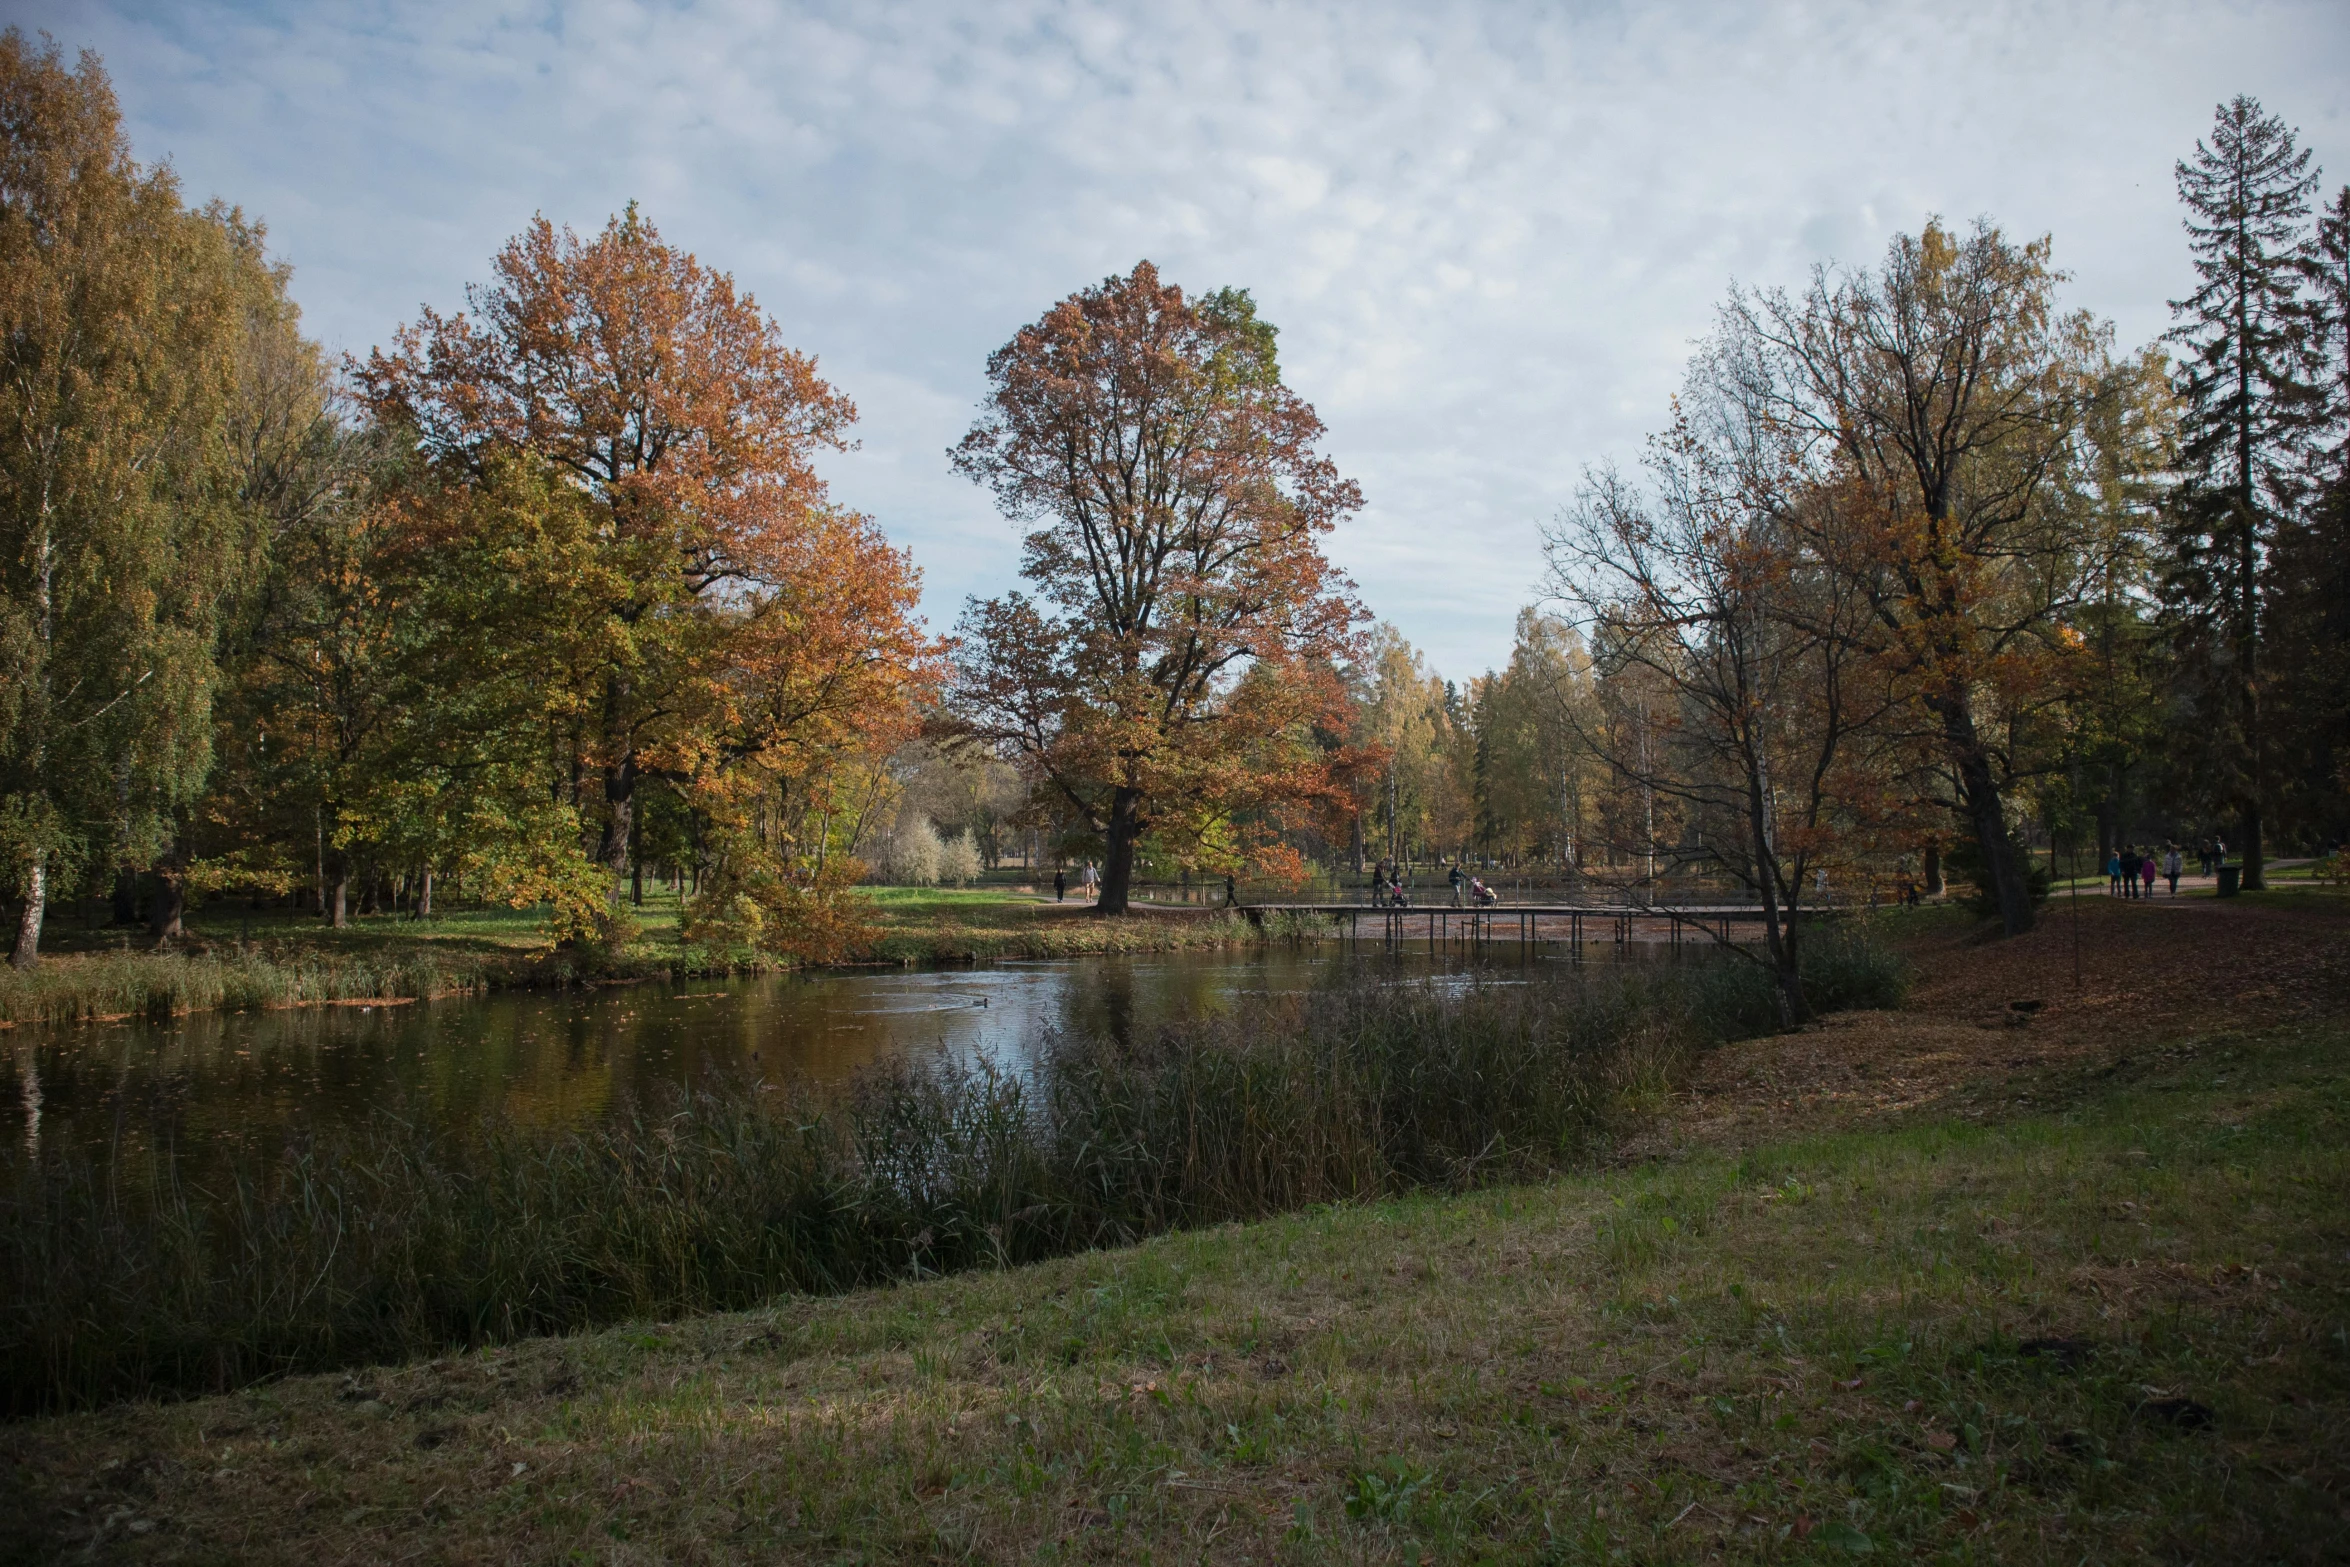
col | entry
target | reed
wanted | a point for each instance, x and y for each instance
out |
(121, 1276)
(152, 985)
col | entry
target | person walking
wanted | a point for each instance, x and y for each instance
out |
(1459, 879)
(1090, 880)
(2113, 874)
(2146, 873)
(2172, 864)
(1231, 891)
(1060, 886)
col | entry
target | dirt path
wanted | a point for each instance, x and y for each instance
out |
(2004, 1024)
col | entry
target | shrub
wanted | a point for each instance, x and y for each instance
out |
(1966, 862)
(913, 856)
(958, 861)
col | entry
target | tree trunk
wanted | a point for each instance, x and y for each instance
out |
(36, 903)
(1780, 944)
(424, 894)
(1935, 885)
(2248, 676)
(338, 895)
(1118, 862)
(636, 859)
(170, 904)
(2010, 888)
(612, 850)
(1979, 793)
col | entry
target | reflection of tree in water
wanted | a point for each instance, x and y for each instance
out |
(264, 1081)
(1101, 1001)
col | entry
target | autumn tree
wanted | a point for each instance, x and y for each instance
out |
(127, 327)
(1701, 591)
(1939, 401)
(1408, 803)
(734, 629)
(1184, 625)
(2245, 407)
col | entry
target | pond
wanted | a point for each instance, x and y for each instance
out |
(206, 1083)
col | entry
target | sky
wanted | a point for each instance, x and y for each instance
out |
(1489, 233)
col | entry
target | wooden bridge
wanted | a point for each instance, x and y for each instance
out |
(1529, 926)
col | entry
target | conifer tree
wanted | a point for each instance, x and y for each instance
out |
(2311, 601)
(2245, 405)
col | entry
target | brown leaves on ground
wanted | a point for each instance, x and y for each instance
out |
(2004, 1022)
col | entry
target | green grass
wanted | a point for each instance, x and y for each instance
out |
(922, 925)
(2112, 1332)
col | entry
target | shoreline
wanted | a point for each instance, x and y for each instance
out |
(224, 965)
(1914, 1282)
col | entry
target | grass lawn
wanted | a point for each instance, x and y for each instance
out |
(1938, 1285)
(941, 924)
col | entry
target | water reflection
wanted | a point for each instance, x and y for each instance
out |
(211, 1082)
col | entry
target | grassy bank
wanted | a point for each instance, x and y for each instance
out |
(235, 958)
(925, 925)
(151, 985)
(119, 1277)
(2107, 1328)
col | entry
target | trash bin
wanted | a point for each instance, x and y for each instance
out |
(2229, 877)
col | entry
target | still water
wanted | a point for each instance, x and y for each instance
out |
(205, 1084)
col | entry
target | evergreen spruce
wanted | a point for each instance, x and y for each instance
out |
(2246, 406)
(2311, 613)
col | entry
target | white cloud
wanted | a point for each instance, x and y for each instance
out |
(1488, 233)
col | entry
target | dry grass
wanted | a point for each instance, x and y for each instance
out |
(1868, 1303)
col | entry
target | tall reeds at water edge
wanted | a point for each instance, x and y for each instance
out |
(150, 986)
(123, 1277)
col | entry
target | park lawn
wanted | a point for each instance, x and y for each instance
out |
(944, 925)
(2096, 1312)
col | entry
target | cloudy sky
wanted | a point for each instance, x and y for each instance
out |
(1488, 232)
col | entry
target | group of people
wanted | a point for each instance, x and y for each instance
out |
(2132, 874)
(1089, 885)
(1388, 890)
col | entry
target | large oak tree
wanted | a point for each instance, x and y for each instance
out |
(721, 613)
(1936, 405)
(1185, 621)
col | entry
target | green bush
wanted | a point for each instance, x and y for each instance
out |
(1967, 864)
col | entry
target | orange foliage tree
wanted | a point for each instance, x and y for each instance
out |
(729, 631)
(1171, 670)
(1939, 405)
